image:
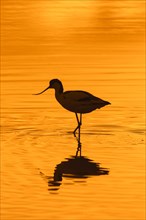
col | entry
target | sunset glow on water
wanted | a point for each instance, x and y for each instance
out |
(96, 46)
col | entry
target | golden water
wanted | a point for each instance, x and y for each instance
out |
(96, 46)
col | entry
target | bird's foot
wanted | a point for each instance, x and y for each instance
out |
(75, 131)
(77, 128)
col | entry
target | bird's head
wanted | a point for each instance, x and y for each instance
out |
(54, 84)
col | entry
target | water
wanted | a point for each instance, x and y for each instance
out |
(96, 46)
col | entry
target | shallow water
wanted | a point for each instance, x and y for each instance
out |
(96, 46)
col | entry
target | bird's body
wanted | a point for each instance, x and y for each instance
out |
(79, 101)
(76, 101)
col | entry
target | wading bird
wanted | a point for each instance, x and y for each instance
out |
(77, 101)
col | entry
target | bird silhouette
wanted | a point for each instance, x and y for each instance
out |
(77, 101)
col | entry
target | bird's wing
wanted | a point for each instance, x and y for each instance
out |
(80, 96)
(79, 100)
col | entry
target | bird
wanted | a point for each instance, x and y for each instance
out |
(77, 101)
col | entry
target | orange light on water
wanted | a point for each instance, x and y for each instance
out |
(95, 46)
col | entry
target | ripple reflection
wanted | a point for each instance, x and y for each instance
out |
(75, 168)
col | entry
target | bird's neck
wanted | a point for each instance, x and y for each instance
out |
(58, 90)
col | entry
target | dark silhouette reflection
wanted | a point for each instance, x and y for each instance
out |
(75, 167)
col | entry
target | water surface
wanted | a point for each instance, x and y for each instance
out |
(96, 46)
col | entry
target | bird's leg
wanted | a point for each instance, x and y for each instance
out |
(78, 126)
(78, 138)
(74, 132)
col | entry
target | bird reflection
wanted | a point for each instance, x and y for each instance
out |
(75, 167)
